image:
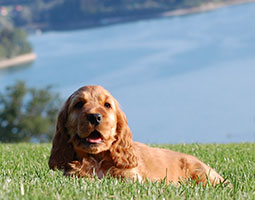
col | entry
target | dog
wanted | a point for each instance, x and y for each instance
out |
(93, 138)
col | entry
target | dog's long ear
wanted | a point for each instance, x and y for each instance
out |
(122, 150)
(62, 151)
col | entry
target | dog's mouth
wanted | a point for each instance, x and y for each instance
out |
(95, 137)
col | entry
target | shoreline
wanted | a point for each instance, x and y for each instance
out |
(108, 21)
(204, 8)
(18, 60)
(30, 57)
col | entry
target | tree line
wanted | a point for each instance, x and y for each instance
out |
(58, 14)
(28, 114)
(13, 42)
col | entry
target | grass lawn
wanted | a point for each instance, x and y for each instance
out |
(24, 174)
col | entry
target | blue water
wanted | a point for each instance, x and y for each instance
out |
(180, 79)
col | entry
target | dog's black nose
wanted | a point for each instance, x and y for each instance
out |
(94, 118)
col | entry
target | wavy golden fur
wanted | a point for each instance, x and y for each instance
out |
(93, 137)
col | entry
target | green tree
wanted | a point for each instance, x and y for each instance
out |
(27, 114)
(13, 42)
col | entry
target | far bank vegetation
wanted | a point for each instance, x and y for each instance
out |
(13, 42)
(67, 14)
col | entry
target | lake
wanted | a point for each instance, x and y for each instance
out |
(179, 80)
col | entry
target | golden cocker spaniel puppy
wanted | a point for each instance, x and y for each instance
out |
(93, 137)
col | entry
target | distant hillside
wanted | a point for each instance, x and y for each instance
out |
(70, 14)
(13, 42)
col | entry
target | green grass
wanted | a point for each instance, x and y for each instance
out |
(24, 174)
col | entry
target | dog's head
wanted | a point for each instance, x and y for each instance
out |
(92, 122)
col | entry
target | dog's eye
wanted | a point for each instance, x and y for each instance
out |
(79, 104)
(107, 105)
